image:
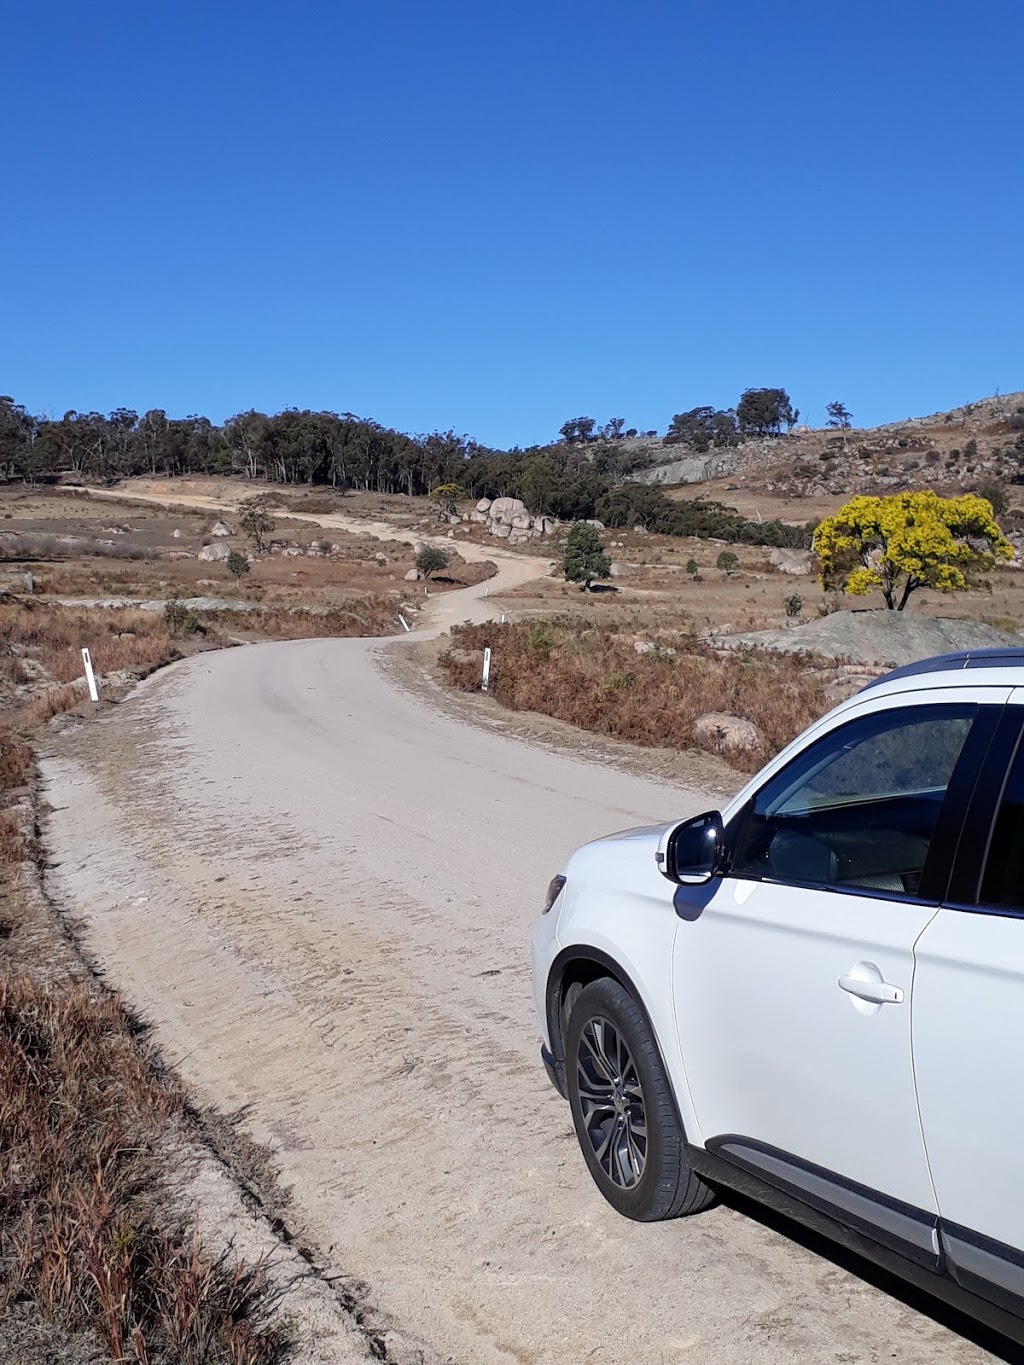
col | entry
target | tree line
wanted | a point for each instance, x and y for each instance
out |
(573, 479)
(289, 447)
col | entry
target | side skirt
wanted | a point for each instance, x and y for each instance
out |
(718, 1170)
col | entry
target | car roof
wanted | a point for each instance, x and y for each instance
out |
(1007, 657)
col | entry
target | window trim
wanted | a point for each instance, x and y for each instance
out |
(974, 846)
(943, 847)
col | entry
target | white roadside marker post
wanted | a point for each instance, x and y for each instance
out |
(485, 680)
(404, 621)
(90, 676)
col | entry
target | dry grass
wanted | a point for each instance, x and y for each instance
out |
(593, 677)
(88, 1231)
(362, 616)
(94, 1246)
(53, 638)
(91, 1243)
(30, 547)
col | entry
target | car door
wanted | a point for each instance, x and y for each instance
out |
(793, 981)
(967, 1031)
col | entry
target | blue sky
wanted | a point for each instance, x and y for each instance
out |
(494, 217)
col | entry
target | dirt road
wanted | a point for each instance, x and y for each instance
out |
(466, 605)
(322, 893)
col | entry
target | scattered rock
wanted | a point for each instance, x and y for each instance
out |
(797, 562)
(644, 646)
(413, 576)
(214, 553)
(484, 505)
(723, 733)
(220, 528)
(176, 534)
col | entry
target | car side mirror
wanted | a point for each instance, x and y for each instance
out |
(693, 852)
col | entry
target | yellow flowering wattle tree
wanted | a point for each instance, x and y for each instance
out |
(908, 541)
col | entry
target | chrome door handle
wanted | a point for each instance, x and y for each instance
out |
(877, 992)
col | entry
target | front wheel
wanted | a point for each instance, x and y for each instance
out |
(623, 1110)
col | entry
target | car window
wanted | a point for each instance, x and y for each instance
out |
(1003, 882)
(858, 807)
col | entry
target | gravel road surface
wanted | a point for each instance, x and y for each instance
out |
(321, 892)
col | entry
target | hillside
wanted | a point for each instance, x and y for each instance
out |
(951, 451)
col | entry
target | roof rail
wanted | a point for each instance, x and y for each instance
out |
(1002, 656)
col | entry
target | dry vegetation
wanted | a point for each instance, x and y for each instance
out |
(89, 1233)
(96, 1261)
(592, 677)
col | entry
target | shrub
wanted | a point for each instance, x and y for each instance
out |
(593, 678)
(727, 561)
(237, 564)
(445, 498)
(182, 620)
(994, 492)
(794, 605)
(256, 522)
(692, 568)
(431, 560)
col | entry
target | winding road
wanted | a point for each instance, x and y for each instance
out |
(321, 891)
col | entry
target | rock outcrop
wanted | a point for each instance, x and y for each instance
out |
(508, 519)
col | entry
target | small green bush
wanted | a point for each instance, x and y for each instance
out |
(727, 561)
(181, 620)
(237, 564)
(431, 560)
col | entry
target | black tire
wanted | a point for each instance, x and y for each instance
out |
(623, 1109)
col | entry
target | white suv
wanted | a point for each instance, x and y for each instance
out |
(817, 996)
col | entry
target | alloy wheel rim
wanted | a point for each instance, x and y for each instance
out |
(612, 1103)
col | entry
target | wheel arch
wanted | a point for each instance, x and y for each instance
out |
(582, 963)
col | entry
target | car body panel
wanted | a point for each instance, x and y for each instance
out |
(969, 1061)
(776, 1051)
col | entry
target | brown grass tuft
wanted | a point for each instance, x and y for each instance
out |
(87, 1226)
(54, 637)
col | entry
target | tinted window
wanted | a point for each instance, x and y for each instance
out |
(859, 807)
(1003, 883)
